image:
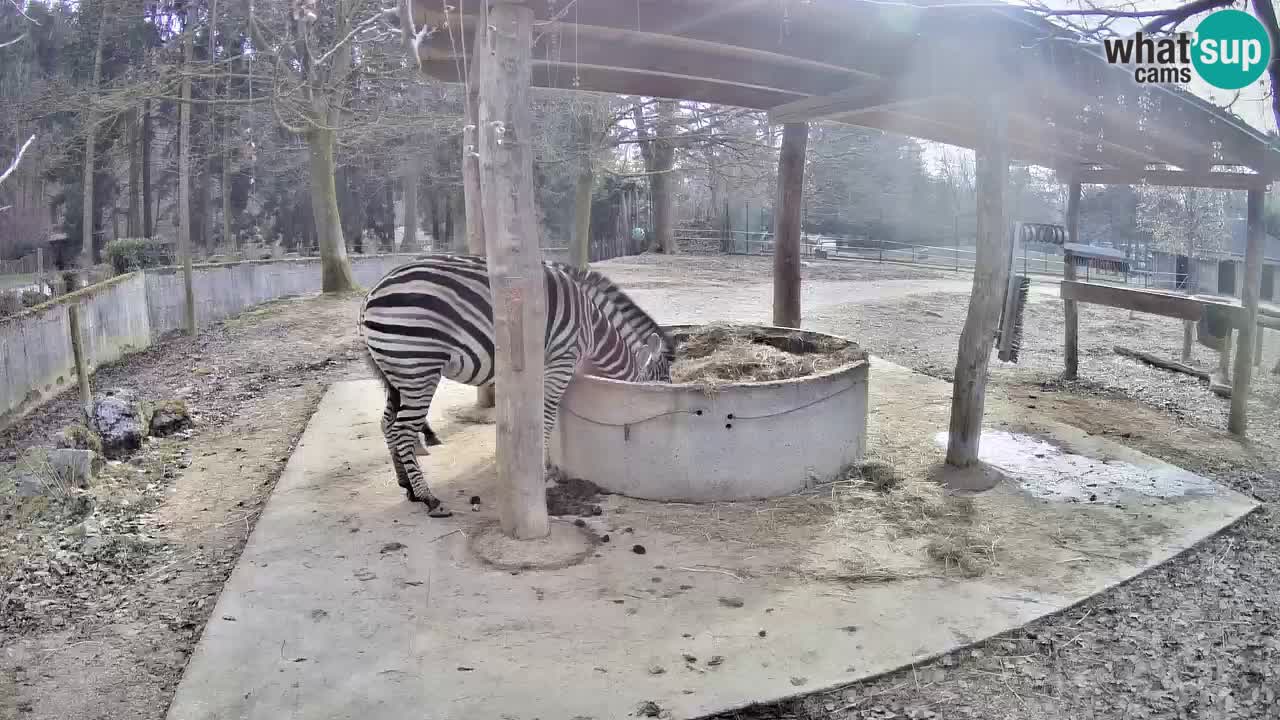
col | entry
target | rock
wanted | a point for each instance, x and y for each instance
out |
(78, 437)
(28, 485)
(75, 467)
(168, 417)
(121, 422)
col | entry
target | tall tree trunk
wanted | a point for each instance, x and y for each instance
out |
(659, 160)
(580, 252)
(335, 270)
(224, 155)
(133, 225)
(411, 176)
(471, 176)
(90, 151)
(388, 221)
(458, 222)
(448, 222)
(436, 239)
(227, 237)
(472, 198)
(202, 233)
(147, 228)
(664, 192)
(661, 196)
(184, 169)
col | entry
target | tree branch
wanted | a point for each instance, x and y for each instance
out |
(23, 13)
(1267, 14)
(1177, 15)
(14, 165)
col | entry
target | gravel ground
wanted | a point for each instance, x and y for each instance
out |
(1195, 638)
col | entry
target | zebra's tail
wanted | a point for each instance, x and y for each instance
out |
(377, 371)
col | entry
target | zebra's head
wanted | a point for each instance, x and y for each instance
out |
(656, 358)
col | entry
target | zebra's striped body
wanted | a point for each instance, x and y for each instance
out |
(433, 318)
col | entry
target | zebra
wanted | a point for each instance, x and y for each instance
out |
(433, 318)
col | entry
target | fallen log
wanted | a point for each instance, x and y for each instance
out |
(1160, 362)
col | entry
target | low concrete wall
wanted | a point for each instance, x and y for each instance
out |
(125, 314)
(36, 361)
(226, 289)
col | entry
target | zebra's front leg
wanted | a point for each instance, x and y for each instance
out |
(558, 374)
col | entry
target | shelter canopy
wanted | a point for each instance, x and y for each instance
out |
(926, 69)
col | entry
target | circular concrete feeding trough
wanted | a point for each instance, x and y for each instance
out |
(720, 439)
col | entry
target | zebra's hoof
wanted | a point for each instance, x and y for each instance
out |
(439, 511)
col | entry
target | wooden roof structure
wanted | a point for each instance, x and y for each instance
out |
(923, 68)
(992, 77)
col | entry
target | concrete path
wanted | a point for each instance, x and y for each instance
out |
(350, 603)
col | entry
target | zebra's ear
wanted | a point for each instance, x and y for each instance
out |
(654, 344)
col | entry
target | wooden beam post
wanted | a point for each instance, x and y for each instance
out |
(1071, 341)
(989, 277)
(1238, 421)
(473, 205)
(77, 348)
(1188, 330)
(786, 225)
(515, 267)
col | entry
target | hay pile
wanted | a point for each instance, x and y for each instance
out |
(720, 353)
(884, 523)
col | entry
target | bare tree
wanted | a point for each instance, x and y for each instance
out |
(308, 99)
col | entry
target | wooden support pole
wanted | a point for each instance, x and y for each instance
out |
(471, 196)
(1257, 346)
(515, 267)
(989, 277)
(1238, 421)
(786, 227)
(1071, 341)
(77, 347)
(1188, 334)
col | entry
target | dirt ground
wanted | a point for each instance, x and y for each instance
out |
(98, 623)
(99, 612)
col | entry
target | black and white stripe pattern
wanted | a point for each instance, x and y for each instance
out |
(433, 318)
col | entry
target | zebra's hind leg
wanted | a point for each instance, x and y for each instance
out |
(402, 437)
(389, 416)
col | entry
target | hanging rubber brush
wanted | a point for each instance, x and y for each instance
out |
(1011, 319)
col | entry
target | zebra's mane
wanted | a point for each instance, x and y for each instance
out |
(638, 320)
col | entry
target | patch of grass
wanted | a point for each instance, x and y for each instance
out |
(78, 436)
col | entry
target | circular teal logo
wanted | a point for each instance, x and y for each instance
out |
(1232, 49)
